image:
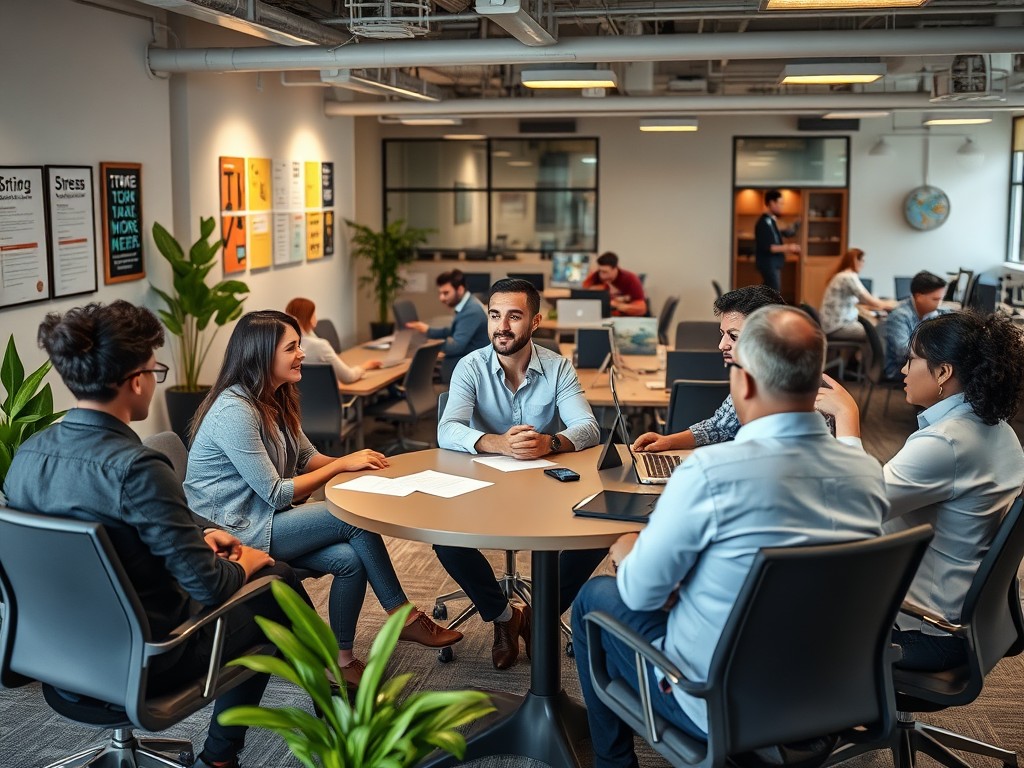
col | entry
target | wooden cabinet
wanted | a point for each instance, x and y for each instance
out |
(822, 238)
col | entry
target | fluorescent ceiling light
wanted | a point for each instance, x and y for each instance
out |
(668, 124)
(836, 5)
(400, 84)
(429, 120)
(464, 136)
(851, 115)
(832, 73)
(588, 160)
(501, 153)
(957, 121)
(511, 16)
(520, 163)
(568, 78)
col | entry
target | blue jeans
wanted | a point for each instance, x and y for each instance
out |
(611, 737)
(929, 653)
(309, 536)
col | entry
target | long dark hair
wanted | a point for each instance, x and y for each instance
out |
(987, 355)
(248, 361)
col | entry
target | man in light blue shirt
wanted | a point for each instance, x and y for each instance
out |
(926, 292)
(783, 481)
(468, 329)
(513, 398)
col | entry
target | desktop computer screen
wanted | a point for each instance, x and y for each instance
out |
(569, 270)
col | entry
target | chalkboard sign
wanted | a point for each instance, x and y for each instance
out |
(121, 190)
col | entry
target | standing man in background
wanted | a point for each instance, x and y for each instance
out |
(468, 330)
(625, 287)
(769, 250)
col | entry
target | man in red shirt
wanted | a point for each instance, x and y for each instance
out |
(625, 287)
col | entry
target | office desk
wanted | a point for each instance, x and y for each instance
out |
(545, 724)
(372, 383)
(630, 387)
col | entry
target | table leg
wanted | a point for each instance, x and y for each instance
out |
(360, 430)
(546, 724)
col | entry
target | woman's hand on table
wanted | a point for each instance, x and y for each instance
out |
(364, 459)
(371, 365)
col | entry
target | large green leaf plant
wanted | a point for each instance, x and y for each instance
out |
(378, 730)
(193, 304)
(386, 252)
(26, 409)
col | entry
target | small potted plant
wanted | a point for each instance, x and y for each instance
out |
(26, 409)
(386, 252)
(379, 729)
(190, 308)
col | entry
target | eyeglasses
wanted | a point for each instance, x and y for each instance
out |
(159, 373)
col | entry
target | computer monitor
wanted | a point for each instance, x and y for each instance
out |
(984, 298)
(603, 296)
(867, 282)
(536, 279)
(569, 270)
(477, 282)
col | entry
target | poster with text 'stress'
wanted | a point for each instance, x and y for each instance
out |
(260, 233)
(23, 269)
(72, 229)
(232, 213)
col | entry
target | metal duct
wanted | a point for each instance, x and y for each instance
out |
(688, 47)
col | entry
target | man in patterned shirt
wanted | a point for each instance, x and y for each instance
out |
(733, 308)
(926, 292)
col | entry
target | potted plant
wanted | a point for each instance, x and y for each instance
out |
(26, 409)
(386, 251)
(378, 729)
(190, 308)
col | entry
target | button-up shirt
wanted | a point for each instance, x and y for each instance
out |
(782, 482)
(481, 403)
(468, 331)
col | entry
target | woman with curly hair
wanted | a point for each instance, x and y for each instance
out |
(960, 471)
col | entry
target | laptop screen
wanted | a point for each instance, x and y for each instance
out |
(569, 270)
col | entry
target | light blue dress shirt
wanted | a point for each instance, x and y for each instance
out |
(900, 325)
(481, 403)
(783, 481)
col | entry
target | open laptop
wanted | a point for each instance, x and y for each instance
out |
(578, 311)
(401, 348)
(650, 468)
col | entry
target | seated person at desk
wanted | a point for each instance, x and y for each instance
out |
(842, 295)
(251, 467)
(319, 351)
(926, 293)
(677, 582)
(99, 471)
(627, 292)
(468, 330)
(510, 398)
(959, 472)
(733, 307)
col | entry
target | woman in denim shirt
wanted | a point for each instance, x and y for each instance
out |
(250, 468)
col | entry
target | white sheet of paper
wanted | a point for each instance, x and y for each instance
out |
(441, 484)
(509, 464)
(385, 486)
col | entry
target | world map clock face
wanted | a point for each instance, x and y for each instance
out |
(926, 207)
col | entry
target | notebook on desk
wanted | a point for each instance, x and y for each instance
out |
(617, 505)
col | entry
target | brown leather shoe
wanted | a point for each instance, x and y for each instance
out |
(353, 673)
(505, 650)
(425, 632)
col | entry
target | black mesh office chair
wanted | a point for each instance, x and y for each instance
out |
(405, 312)
(780, 675)
(697, 334)
(693, 401)
(717, 288)
(694, 364)
(668, 311)
(418, 400)
(328, 419)
(73, 622)
(875, 372)
(325, 330)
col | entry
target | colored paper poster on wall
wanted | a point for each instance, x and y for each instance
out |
(327, 186)
(121, 216)
(296, 218)
(72, 229)
(232, 208)
(314, 220)
(260, 234)
(280, 192)
(23, 273)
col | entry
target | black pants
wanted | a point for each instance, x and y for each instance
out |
(929, 653)
(771, 273)
(474, 575)
(225, 742)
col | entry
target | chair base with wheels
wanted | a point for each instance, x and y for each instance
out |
(914, 736)
(125, 750)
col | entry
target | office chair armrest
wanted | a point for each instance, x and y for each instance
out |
(918, 612)
(350, 402)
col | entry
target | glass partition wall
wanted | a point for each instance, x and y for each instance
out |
(487, 197)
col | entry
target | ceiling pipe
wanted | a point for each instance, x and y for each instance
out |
(686, 47)
(651, 105)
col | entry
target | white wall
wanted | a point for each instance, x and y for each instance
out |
(665, 199)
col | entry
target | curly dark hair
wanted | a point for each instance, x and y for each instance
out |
(747, 299)
(96, 346)
(987, 355)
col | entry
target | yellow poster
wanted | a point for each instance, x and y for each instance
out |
(313, 185)
(261, 240)
(314, 236)
(259, 183)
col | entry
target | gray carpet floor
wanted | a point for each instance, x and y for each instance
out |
(31, 735)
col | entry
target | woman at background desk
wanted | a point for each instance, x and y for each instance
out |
(250, 468)
(842, 295)
(960, 471)
(319, 350)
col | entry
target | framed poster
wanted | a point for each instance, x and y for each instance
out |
(71, 225)
(259, 236)
(327, 181)
(121, 217)
(24, 276)
(232, 209)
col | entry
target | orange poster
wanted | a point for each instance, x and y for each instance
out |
(232, 213)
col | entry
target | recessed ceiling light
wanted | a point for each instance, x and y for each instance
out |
(957, 121)
(520, 163)
(568, 78)
(832, 73)
(852, 115)
(668, 124)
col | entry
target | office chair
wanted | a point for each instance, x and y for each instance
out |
(405, 312)
(693, 401)
(694, 364)
(902, 286)
(770, 689)
(418, 401)
(325, 330)
(327, 419)
(992, 627)
(875, 373)
(697, 334)
(717, 288)
(836, 361)
(668, 311)
(73, 622)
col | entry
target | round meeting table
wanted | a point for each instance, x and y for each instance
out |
(522, 510)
